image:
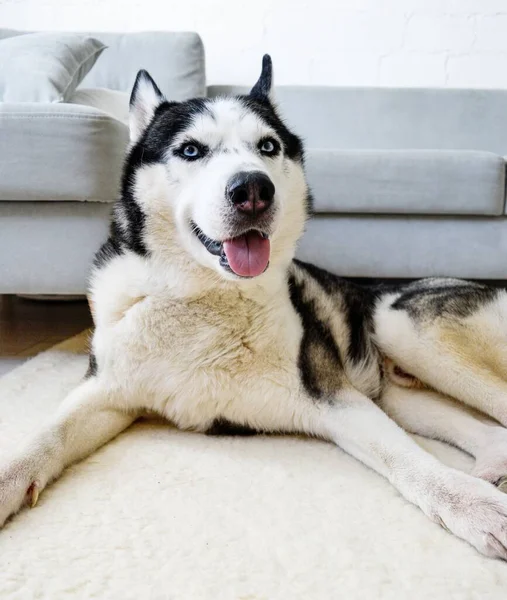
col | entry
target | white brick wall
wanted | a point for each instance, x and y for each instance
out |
(453, 43)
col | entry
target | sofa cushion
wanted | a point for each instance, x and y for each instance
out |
(390, 119)
(60, 152)
(174, 59)
(419, 182)
(45, 67)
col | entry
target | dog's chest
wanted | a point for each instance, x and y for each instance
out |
(220, 356)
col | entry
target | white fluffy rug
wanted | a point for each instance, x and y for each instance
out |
(160, 514)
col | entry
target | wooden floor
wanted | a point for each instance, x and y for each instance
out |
(28, 327)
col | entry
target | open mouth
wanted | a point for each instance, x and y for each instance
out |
(246, 255)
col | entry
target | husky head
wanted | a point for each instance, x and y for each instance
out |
(213, 181)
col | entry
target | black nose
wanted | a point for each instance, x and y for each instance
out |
(251, 192)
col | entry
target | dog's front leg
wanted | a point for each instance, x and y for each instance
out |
(472, 509)
(86, 419)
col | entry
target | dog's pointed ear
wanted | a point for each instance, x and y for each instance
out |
(144, 100)
(262, 89)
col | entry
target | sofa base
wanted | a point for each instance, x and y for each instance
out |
(47, 247)
(402, 247)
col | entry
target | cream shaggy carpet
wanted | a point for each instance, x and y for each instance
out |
(160, 514)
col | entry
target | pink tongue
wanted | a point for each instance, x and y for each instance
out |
(248, 254)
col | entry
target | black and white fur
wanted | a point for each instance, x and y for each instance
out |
(294, 349)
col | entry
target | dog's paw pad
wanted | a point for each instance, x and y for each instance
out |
(33, 493)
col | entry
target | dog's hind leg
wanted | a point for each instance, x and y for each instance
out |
(432, 415)
(462, 357)
(86, 420)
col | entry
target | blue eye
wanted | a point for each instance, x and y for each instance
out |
(190, 151)
(268, 146)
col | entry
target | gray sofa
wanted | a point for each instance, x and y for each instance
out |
(407, 182)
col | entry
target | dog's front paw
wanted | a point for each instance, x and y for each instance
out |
(474, 511)
(18, 486)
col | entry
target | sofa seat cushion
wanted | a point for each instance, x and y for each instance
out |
(419, 182)
(60, 152)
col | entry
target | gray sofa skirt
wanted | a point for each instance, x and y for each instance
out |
(47, 247)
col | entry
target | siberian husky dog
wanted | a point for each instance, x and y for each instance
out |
(203, 316)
